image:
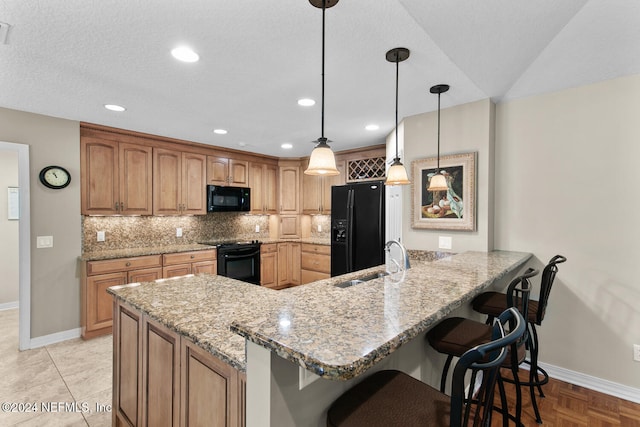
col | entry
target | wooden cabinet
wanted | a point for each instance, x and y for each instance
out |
(315, 262)
(116, 178)
(225, 171)
(269, 265)
(289, 189)
(316, 190)
(210, 389)
(181, 263)
(96, 306)
(289, 227)
(288, 263)
(263, 181)
(163, 379)
(179, 183)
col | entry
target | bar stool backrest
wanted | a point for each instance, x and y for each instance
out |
(477, 404)
(548, 276)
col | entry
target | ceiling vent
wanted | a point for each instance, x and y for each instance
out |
(4, 32)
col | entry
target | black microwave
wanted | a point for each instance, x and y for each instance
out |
(228, 199)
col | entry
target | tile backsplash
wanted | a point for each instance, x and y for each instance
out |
(142, 231)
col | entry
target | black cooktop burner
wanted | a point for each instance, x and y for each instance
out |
(238, 244)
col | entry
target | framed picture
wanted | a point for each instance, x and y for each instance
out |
(453, 209)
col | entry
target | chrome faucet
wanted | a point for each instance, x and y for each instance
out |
(405, 257)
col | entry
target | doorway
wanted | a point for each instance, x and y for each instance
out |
(24, 242)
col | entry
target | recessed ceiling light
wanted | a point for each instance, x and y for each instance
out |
(220, 131)
(185, 54)
(306, 102)
(114, 107)
(372, 127)
(287, 146)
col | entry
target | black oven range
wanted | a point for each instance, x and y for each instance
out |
(240, 260)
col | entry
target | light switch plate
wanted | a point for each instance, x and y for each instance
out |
(101, 236)
(445, 242)
(44, 242)
(178, 232)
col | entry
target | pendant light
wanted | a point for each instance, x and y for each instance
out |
(397, 174)
(438, 181)
(322, 161)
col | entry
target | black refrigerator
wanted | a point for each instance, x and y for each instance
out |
(357, 226)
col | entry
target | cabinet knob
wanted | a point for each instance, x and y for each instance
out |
(128, 264)
(193, 256)
(117, 206)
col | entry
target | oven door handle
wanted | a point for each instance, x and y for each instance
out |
(245, 255)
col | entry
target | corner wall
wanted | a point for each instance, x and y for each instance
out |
(464, 128)
(567, 180)
(55, 284)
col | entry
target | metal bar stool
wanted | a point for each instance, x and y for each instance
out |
(392, 398)
(456, 335)
(493, 303)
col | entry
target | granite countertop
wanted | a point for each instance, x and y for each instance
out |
(337, 333)
(158, 250)
(150, 250)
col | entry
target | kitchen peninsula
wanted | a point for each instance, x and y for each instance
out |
(197, 326)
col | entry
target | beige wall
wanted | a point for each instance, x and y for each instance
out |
(464, 128)
(8, 230)
(55, 284)
(567, 180)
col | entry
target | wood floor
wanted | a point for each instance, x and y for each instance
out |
(570, 405)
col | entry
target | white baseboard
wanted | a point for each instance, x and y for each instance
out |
(598, 384)
(8, 305)
(55, 338)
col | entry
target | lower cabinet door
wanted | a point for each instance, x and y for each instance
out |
(127, 375)
(160, 375)
(99, 304)
(209, 389)
(204, 267)
(176, 270)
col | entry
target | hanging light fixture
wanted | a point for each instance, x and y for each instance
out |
(397, 174)
(322, 161)
(438, 182)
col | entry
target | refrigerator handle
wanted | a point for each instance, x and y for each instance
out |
(350, 227)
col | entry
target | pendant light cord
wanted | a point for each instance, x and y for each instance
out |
(438, 165)
(322, 111)
(397, 72)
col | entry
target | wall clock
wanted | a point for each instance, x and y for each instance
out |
(55, 177)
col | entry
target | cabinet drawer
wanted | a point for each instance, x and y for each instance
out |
(316, 262)
(123, 264)
(311, 276)
(268, 248)
(184, 257)
(316, 249)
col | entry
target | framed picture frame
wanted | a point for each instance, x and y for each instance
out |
(453, 209)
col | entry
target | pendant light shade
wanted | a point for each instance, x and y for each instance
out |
(438, 181)
(397, 174)
(322, 160)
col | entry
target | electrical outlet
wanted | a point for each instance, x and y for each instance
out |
(178, 232)
(44, 242)
(101, 236)
(257, 228)
(319, 228)
(445, 242)
(636, 352)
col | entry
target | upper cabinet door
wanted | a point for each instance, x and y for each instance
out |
(136, 179)
(289, 189)
(194, 196)
(167, 182)
(99, 177)
(217, 170)
(238, 173)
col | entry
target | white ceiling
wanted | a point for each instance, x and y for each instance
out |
(66, 58)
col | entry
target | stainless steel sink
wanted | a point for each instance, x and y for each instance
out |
(364, 279)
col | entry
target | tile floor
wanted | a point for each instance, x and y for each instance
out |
(69, 383)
